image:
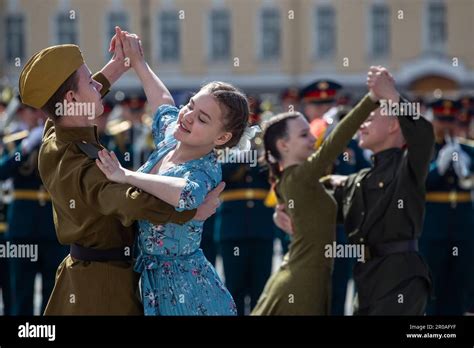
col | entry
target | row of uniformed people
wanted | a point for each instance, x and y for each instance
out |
(447, 241)
(4, 273)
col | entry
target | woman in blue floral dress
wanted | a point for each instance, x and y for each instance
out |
(176, 278)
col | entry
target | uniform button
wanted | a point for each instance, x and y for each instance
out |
(250, 204)
(84, 142)
(381, 184)
(361, 240)
(248, 178)
(358, 184)
(363, 213)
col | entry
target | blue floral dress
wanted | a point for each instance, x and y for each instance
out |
(176, 278)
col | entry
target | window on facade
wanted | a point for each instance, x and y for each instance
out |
(325, 32)
(15, 37)
(220, 35)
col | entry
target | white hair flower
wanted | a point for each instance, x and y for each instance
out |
(245, 140)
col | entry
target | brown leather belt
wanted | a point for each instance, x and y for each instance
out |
(88, 254)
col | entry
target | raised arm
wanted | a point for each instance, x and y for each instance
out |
(115, 67)
(336, 142)
(420, 139)
(156, 92)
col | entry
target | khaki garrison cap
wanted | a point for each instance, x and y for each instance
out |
(46, 71)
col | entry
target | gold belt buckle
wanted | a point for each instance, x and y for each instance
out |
(453, 198)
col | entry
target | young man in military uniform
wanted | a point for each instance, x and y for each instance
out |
(382, 209)
(92, 215)
(448, 239)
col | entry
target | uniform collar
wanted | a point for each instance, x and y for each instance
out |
(381, 156)
(71, 134)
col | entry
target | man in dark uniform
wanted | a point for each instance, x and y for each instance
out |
(382, 208)
(448, 239)
(245, 232)
(317, 99)
(30, 218)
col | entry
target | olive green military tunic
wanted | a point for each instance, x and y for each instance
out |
(302, 285)
(93, 212)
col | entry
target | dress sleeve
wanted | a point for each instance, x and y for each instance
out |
(198, 184)
(316, 164)
(165, 115)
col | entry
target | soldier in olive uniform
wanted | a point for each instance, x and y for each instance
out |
(92, 215)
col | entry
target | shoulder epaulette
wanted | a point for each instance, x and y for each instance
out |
(89, 149)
